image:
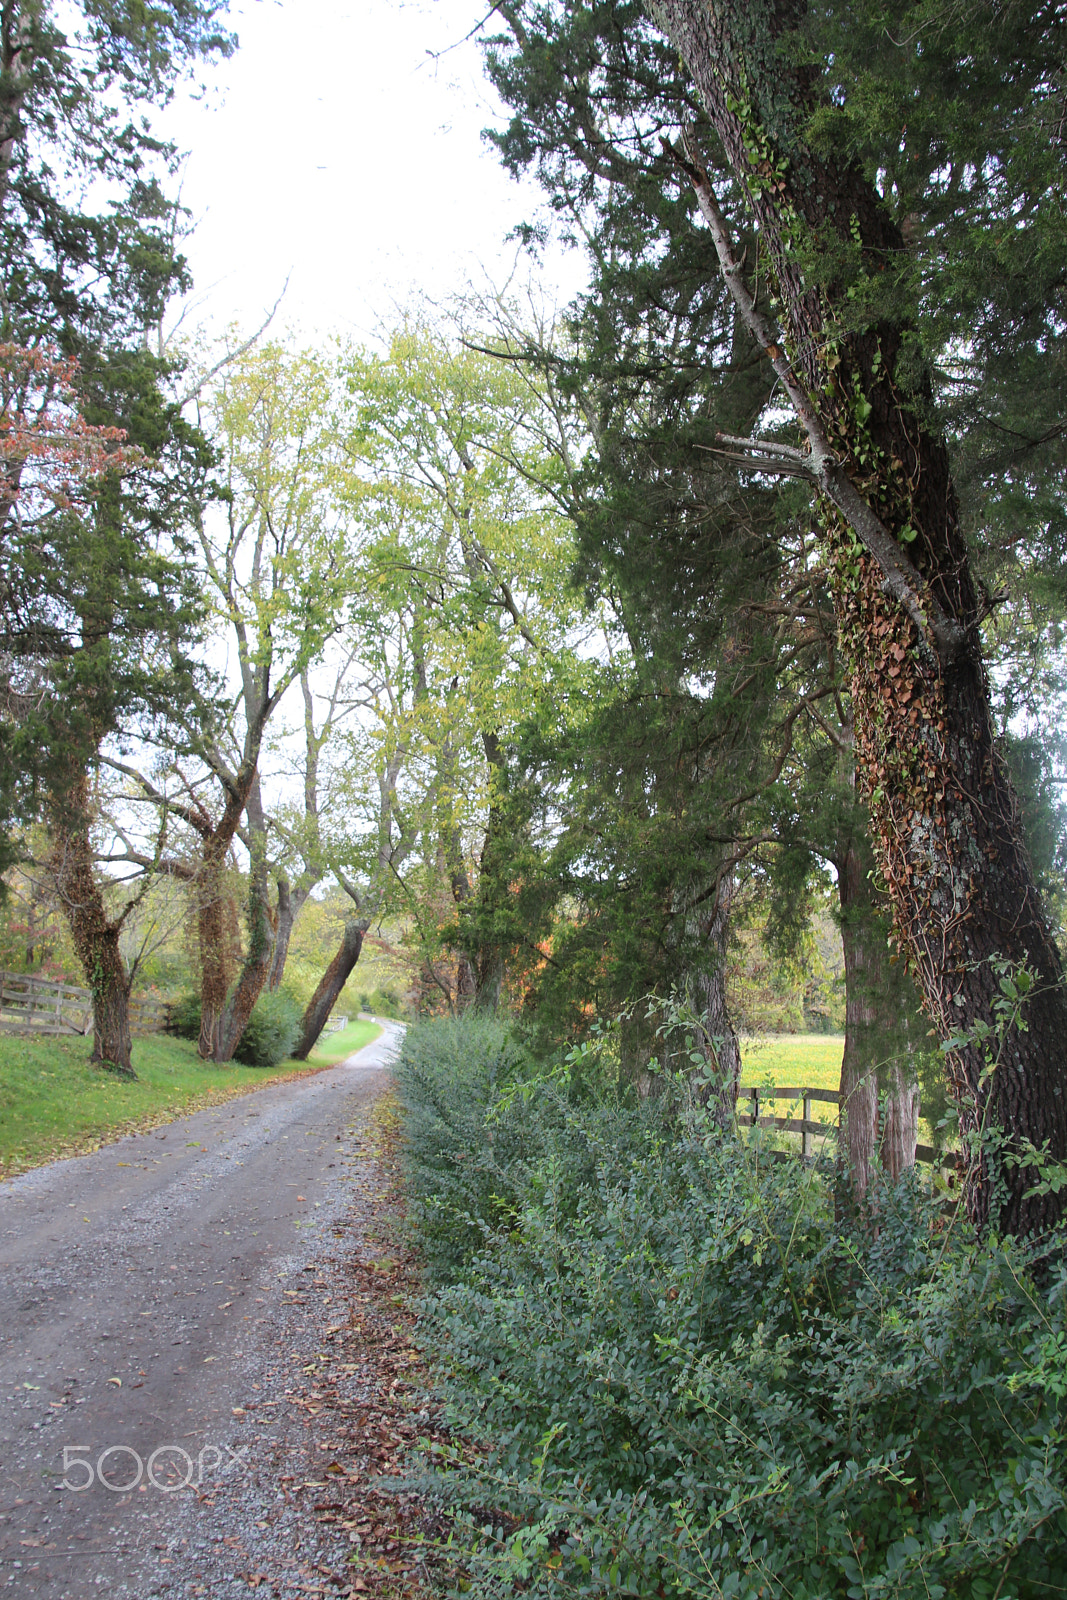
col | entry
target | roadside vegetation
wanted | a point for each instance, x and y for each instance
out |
(677, 1366)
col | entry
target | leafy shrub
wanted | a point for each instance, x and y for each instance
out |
(183, 1017)
(485, 1126)
(273, 1030)
(449, 1075)
(271, 1034)
(690, 1379)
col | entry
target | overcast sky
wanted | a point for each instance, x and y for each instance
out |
(335, 151)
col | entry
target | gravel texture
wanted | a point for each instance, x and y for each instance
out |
(222, 1307)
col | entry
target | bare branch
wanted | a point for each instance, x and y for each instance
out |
(234, 355)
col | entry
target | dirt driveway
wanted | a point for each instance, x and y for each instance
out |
(145, 1296)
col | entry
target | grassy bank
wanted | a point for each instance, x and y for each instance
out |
(53, 1104)
(345, 1042)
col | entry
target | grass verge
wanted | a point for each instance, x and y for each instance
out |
(54, 1104)
(336, 1046)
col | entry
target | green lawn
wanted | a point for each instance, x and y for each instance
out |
(52, 1103)
(336, 1046)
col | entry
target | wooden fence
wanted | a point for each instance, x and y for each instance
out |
(47, 1006)
(805, 1125)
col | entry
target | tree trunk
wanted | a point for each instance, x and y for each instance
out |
(95, 936)
(261, 926)
(215, 969)
(877, 1065)
(489, 979)
(16, 73)
(945, 819)
(212, 942)
(724, 1049)
(330, 985)
(290, 904)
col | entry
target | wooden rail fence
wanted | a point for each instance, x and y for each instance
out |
(49, 1006)
(810, 1128)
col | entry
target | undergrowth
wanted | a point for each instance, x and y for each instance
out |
(677, 1372)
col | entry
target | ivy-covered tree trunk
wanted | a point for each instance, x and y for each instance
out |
(945, 820)
(215, 968)
(330, 985)
(262, 924)
(212, 945)
(94, 933)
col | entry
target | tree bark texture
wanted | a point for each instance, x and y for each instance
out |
(330, 985)
(212, 944)
(95, 935)
(211, 912)
(945, 820)
(261, 934)
(724, 1049)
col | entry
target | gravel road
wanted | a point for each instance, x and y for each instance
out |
(145, 1297)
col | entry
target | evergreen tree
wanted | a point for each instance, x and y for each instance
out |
(707, 572)
(95, 610)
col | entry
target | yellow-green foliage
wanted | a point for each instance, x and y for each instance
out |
(53, 1103)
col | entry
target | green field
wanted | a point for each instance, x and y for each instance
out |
(801, 1061)
(336, 1046)
(53, 1103)
(798, 1060)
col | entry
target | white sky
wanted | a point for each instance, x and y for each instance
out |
(334, 150)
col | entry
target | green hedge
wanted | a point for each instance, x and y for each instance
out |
(688, 1377)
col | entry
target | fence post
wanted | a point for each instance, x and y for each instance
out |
(806, 1144)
